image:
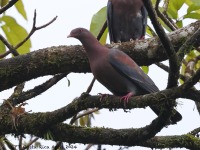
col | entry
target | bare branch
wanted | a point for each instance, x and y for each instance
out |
(22, 97)
(34, 28)
(195, 131)
(87, 112)
(10, 47)
(10, 4)
(30, 143)
(4, 54)
(164, 19)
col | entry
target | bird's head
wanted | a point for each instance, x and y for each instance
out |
(78, 33)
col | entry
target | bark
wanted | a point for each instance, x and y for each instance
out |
(61, 59)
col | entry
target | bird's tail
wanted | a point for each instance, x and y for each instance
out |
(176, 116)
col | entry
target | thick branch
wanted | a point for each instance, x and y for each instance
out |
(61, 59)
(73, 134)
(46, 122)
(180, 141)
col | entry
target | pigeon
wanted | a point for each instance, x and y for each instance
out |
(117, 71)
(126, 20)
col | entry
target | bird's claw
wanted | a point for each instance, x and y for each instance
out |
(126, 98)
(142, 38)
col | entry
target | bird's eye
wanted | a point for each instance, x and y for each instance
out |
(80, 30)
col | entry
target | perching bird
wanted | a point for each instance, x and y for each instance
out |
(126, 19)
(116, 70)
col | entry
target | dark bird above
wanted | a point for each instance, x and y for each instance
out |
(126, 19)
(116, 70)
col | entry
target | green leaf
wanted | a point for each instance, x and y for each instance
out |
(15, 33)
(192, 8)
(196, 2)
(177, 4)
(150, 32)
(4, 2)
(172, 12)
(188, 2)
(20, 8)
(153, 2)
(145, 69)
(97, 22)
(192, 15)
(2, 48)
(174, 6)
(179, 23)
(81, 121)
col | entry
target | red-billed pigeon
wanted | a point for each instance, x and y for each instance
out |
(126, 19)
(116, 70)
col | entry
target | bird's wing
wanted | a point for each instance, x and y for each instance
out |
(109, 19)
(128, 68)
(144, 19)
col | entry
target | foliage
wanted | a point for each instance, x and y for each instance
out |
(13, 31)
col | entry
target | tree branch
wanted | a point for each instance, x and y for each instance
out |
(73, 134)
(188, 44)
(171, 53)
(22, 97)
(54, 60)
(10, 4)
(180, 141)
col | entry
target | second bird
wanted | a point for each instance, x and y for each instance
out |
(126, 19)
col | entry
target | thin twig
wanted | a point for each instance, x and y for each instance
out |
(34, 28)
(164, 19)
(2, 145)
(91, 85)
(10, 47)
(20, 98)
(30, 143)
(4, 54)
(10, 4)
(20, 142)
(195, 131)
(9, 144)
(164, 67)
(83, 114)
(165, 6)
(188, 45)
(102, 30)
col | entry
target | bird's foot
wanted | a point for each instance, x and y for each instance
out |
(126, 98)
(142, 38)
(103, 96)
